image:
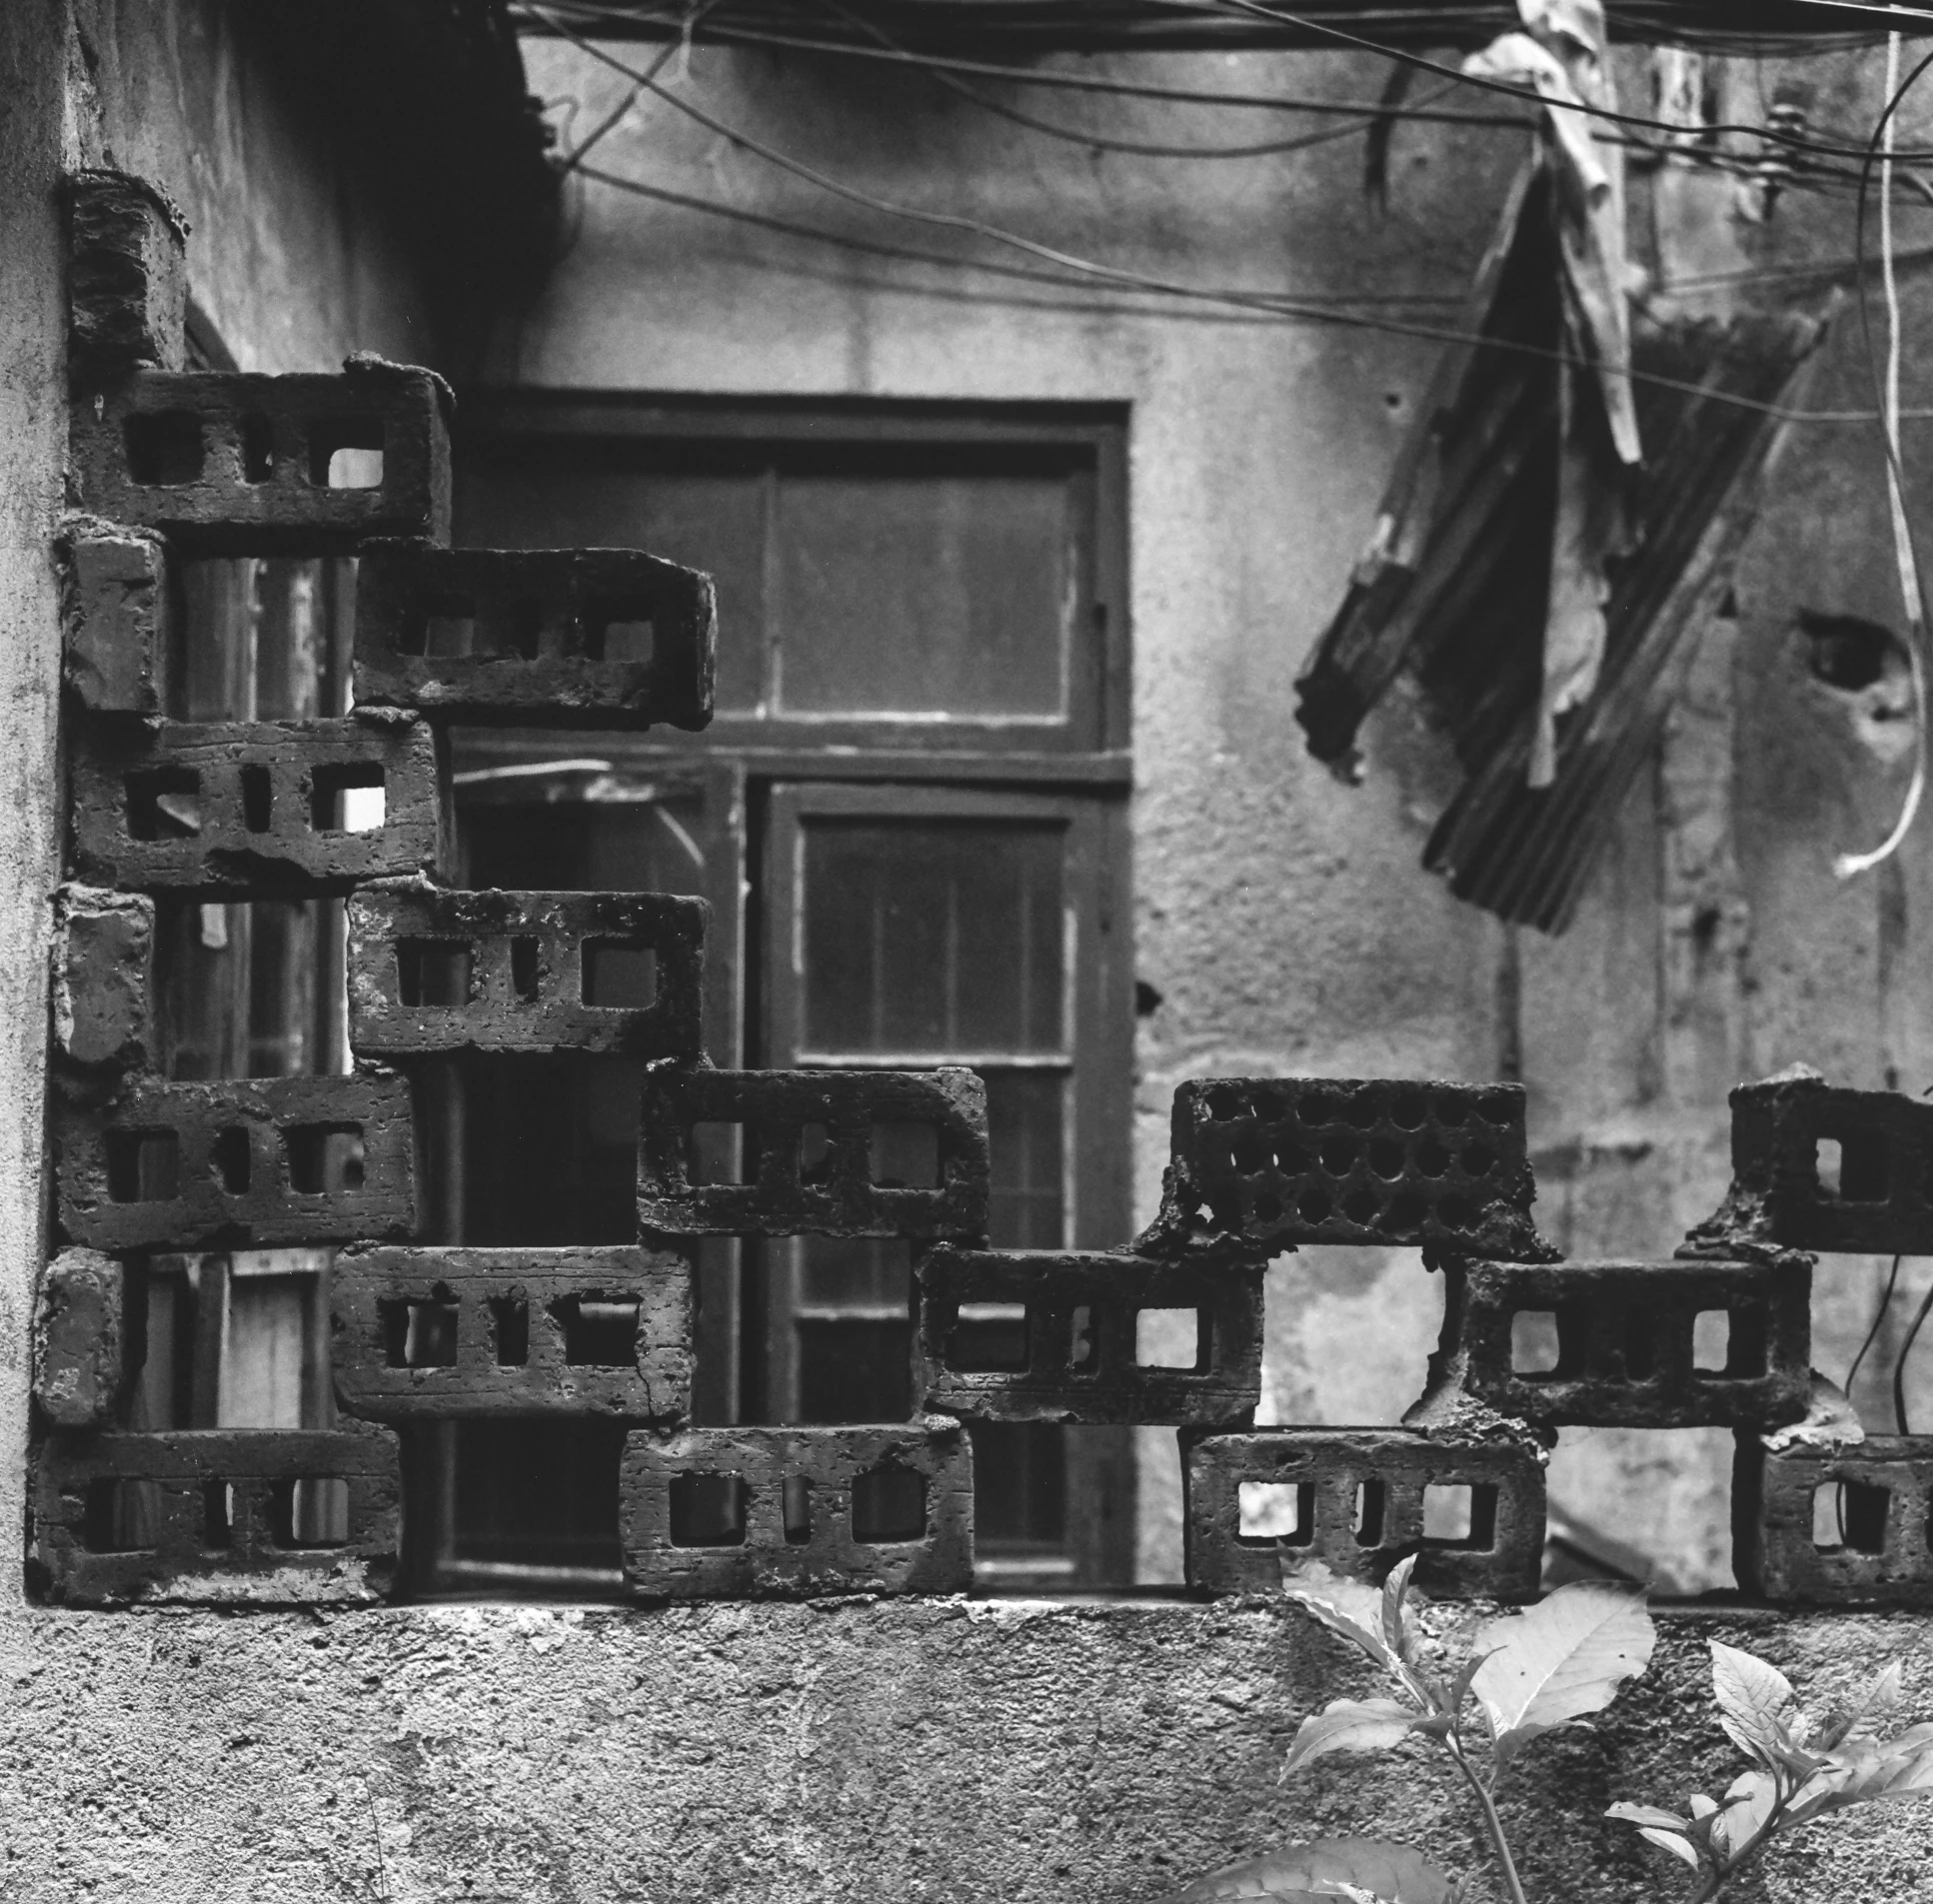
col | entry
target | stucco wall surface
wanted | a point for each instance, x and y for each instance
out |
(945, 1750)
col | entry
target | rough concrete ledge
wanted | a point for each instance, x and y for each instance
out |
(942, 1750)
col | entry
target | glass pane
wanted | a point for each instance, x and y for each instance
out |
(924, 593)
(709, 513)
(539, 1492)
(1020, 1485)
(854, 1371)
(933, 937)
(641, 846)
(854, 1272)
(1026, 1201)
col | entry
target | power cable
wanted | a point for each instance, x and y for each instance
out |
(1899, 1363)
(604, 125)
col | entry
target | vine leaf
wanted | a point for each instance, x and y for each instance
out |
(1678, 1845)
(1350, 1725)
(1327, 1869)
(1560, 1660)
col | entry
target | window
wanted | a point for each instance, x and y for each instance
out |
(909, 818)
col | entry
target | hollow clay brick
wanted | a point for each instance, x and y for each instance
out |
(1076, 1359)
(1883, 1202)
(829, 1193)
(503, 1332)
(230, 809)
(82, 1357)
(229, 463)
(117, 614)
(1883, 1488)
(1389, 1469)
(536, 648)
(1625, 1343)
(213, 1515)
(104, 978)
(247, 1161)
(434, 970)
(1262, 1165)
(127, 274)
(822, 1557)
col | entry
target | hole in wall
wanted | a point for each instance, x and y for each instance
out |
(1275, 1512)
(889, 1503)
(707, 1510)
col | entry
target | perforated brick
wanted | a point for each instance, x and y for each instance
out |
(810, 1153)
(1866, 1539)
(127, 274)
(433, 971)
(1612, 1344)
(764, 1514)
(431, 1332)
(1355, 1498)
(104, 978)
(244, 1161)
(1819, 1168)
(233, 810)
(598, 638)
(215, 1517)
(1262, 1164)
(237, 464)
(82, 1357)
(1046, 1335)
(117, 617)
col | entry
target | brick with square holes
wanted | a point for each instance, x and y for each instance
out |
(437, 970)
(83, 1359)
(1360, 1508)
(1071, 1352)
(762, 1513)
(127, 276)
(580, 637)
(1625, 1343)
(1877, 1512)
(218, 1516)
(1780, 1198)
(809, 1153)
(230, 809)
(422, 1334)
(1262, 1164)
(104, 978)
(116, 617)
(247, 1161)
(233, 464)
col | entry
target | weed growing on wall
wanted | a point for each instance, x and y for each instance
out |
(1526, 1674)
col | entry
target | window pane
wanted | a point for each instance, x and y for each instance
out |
(854, 1371)
(932, 937)
(910, 594)
(708, 513)
(539, 1492)
(1026, 1203)
(641, 846)
(855, 1272)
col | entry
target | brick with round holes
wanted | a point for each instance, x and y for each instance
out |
(1259, 1165)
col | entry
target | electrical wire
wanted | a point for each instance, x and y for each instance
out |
(1103, 143)
(1912, 571)
(1279, 304)
(1879, 1317)
(567, 166)
(1801, 142)
(1899, 1362)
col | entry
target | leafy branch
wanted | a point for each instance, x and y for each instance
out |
(1803, 1767)
(1528, 1674)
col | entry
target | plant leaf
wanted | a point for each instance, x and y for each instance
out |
(1345, 1606)
(1649, 1815)
(1672, 1842)
(1756, 1703)
(1560, 1660)
(1325, 1868)
(1350, 1725)
(1395, 1589)
(1878, 1701)
(1748, 1806)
